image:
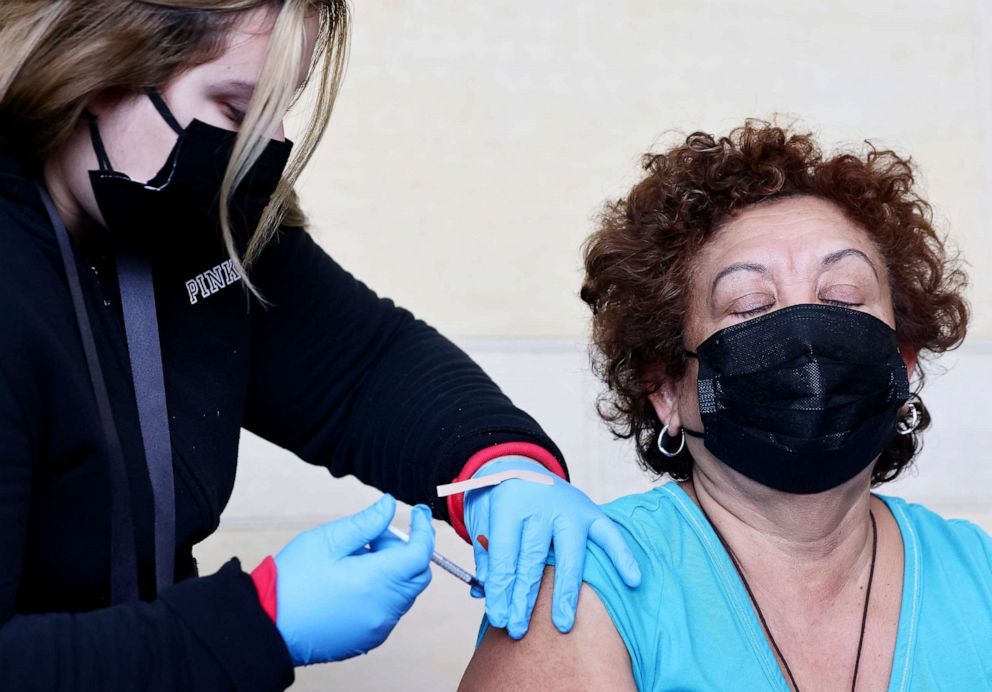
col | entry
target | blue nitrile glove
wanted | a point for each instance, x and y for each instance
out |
(520, 518)
(343, 586)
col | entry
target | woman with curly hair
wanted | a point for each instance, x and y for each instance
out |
(760, 310)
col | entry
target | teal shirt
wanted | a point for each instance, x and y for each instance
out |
(691, 626)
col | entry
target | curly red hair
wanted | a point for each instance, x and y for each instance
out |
(638, 262)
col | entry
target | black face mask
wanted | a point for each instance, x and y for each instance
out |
(181, 203)
(801, 399)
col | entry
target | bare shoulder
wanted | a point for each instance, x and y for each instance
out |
(591, 657)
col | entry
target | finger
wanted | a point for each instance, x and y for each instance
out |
(607, 536)
(570, 558)
(477, 524)
(535, 540)
(422, 580)
(385, 541)
(415, 556)
(481, 560)
(416, 586)
(477, 509)
(480, 546)
(345, 536)
(504, 550)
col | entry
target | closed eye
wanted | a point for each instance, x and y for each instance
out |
(236, 115)
(754, 311)
(841, 303)
(751, 303)
(844, 294)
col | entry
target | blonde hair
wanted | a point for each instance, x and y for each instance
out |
(55, 55)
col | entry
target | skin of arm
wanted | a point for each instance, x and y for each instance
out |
(591, 657)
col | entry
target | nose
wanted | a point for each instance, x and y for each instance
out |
(795, 291)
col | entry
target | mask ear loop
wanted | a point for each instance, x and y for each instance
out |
(103, 160)
(101, 152)
(163, 110)
(685, 430)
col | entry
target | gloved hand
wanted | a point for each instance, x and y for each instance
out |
(520, 518)
(343, 586)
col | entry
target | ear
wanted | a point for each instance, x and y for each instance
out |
(666, 406)
(908, 354)
(99, 103)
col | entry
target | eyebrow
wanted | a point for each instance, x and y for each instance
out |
(835, 257)
(738, 267)
(827, 261)
(238, 88)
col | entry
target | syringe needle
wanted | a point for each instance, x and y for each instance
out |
(444, 563)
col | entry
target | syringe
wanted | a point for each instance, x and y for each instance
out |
(444, 563)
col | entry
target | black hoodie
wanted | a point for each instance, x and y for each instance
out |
(328, 370)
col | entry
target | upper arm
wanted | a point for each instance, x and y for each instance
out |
(348, 380)
(313, 344)
(590, 657)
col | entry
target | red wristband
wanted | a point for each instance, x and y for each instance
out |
(456, 503)
(264, 577)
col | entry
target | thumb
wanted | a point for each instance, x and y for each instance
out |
(347, 535)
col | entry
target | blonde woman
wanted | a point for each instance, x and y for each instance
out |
(158, 292)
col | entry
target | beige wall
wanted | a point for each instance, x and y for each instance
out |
(473, 141)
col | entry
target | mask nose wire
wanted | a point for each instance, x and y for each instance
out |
(163, 110)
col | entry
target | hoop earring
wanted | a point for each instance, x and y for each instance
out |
(661, 442)
(911, 421)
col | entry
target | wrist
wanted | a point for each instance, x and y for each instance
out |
(265, 576)
(531, 452)
(511, 463)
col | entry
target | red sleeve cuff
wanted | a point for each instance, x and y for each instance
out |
(264, 577)
(456, 503)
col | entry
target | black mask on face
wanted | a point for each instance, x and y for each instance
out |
(801, 399)
(181, 203)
